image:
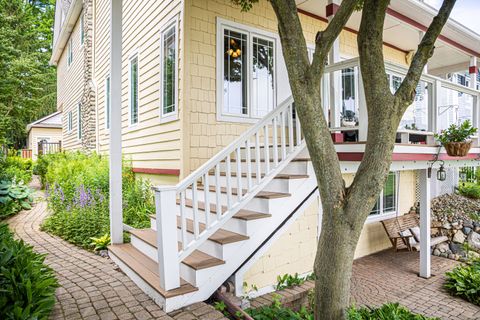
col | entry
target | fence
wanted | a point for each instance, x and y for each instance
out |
(45, 147)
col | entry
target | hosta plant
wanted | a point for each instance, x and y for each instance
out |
(14, 197)
(464, 281)
(100, 243)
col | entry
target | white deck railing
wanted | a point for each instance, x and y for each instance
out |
(193, 210)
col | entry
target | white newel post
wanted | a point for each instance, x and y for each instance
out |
(166, 220)
(116, 214)
(362, 110)
(425, 254)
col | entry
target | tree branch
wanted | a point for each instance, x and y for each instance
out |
(406, 93)
(325, 39)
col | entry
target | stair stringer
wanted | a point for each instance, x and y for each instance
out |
(240, 252)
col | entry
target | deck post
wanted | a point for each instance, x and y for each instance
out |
(425, 254)
(116, 214)
(473, 70)
(167, 242)
(335, 76)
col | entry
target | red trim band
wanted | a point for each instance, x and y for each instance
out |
(358, 156)
(473, 69)
(171, 172)
(331, 9)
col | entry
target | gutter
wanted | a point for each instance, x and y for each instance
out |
(66, 30)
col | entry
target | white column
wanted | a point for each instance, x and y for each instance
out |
(425, 255)
(363, 112)
(116, 214)
(473, 72)
(166, 222)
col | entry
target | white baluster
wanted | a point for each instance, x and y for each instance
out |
(282, 133)
(228, 178)
(183, 219)
(218, 189)
(257, 157)
(239, 174)
(298, 128)
(166, 220)
(275, 141)
(196, 226)
(290, 127)
(248, 157)
(266, 151)
(206, 193)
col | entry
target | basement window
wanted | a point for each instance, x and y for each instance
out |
(387, 202)
(246, 76)
(169, 75)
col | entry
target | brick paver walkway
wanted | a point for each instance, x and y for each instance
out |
(91, 287)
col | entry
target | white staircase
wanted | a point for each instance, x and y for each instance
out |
(211, 222)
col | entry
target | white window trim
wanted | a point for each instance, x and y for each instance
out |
(223, 24)
(79, 116)
(82, 26)
(135, 54)
(390, 214)
(171, 116)
(107, 121)
(69, 121)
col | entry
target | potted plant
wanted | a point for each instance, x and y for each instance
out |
(456, 139)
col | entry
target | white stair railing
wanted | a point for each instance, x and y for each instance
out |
(274, 141)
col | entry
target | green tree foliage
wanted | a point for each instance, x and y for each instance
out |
(27, 82)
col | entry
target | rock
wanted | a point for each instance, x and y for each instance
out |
(103, 253)
(459, 237)
(452, 256)
(473, 240)
(468, 224)
(456, 248)
(442, 247)
(466, 230)
(436, 224)
(444, 255)
(436, 252)
(447, 226)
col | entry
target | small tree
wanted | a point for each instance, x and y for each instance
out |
(345, 209)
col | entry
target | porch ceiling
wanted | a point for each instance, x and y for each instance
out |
(402, 25)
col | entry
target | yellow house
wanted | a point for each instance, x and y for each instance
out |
(196, 94)
(47, 130)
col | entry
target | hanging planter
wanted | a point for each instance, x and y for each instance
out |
(456, 139)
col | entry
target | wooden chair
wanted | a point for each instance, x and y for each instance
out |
(395, 226)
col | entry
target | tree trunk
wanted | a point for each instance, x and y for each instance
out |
(333, 266)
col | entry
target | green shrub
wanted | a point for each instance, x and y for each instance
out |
(13, 198)
(389, 311)
(27, 285)
(464, 281)
(288, 280)
(470, 190)
(14, 168)
(77, 188)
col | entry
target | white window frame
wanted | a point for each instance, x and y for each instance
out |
(108, 102)
(69, 121)
(251, 32)
(70, 52)
(79, 121)
(389, 214)
(132, 57)
(82, 29)
(171, 116)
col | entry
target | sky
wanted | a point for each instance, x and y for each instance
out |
(467, 12)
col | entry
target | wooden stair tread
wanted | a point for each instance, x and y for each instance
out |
(222, 236)
(147, 269)
(261, 194)
(197, 259)
(242, 214)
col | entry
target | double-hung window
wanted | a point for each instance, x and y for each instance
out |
(246, 72)
(70, 121)
(168, 54)
(133, 90)
(387, 202)
(108, 107)
(79, 121)
(82, 29)
(70, 52)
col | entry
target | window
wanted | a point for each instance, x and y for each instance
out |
(246, 72)
(82, 29)
(70, 52)
(133, 89)
(387, 202)
(70, 121)
(168, 47)
(108, 107)
(79, 121)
